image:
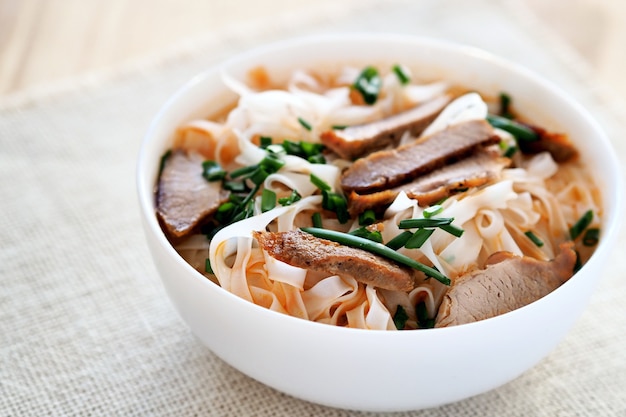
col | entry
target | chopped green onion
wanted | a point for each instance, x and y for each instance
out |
(518, 130)
(337, 203)
(276, 150)
(581, 224)
(316, 219)
(452, 229)
(578, 264)
(368, 83)
(268, 200)
(305, 124)
(225, 212)
(505, 105)
(367, 217)
(400, 240)
(339, 127)
(287, 201)
(400, 318)
(418, 223)
(272, 163)
(591, 237)
(510, 151)
(265, 141)
(164, 158)
(235, 186)
(319, 183)
(259, 175)
(243, 171)
(378, 249)
(432, 211)
(311, 149)
(423, 320)
(317, 159)
(402, 75)
(538, 242)
(212, 171)
(363, 232)
(419, 238)
(207, 266)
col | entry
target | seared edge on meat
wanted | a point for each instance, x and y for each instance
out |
(390, 168)
(356, 141)
(477, 170)
(508, 282)
(184, 197)
(558, 144)
(303, 250)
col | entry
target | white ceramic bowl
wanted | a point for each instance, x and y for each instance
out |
(377, 370)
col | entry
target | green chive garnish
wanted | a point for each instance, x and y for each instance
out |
(367, 217)
(287, 201)
(452, 229)
(368, 83)
(422, 316)
(591, 237)
(363, 232)
(265, 141)
(400, 318)
(432, 211)
(505, 105)
(376, 248)
(538, 242)
(402, 75)
(519, 131)
(268, 200)
(305, 124)
(510, 151)
(419, 238)
(581, 224)
(212, 171)
(207, 266)
(316, 219)
(319, 183)
(400, 240)
(164, 158)
(419, 223)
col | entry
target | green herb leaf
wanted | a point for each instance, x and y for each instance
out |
(519, 131)
(367, 217)
(401, 73)
(400, 318)
(538, 242)
(268, 200)
(305, 124)
(419, 223)
(591, 237)
(581, 224)
(418, 238)
(316, 219)
(400, 240)
(368, 83)
(363, 232)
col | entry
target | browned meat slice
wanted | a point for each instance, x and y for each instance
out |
(508, 282)
(474, 171)
(390, 168)
(303, 250)
(355, 141)
(558, 144)
(184, 197)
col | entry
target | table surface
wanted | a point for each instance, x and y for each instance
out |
(45, 41)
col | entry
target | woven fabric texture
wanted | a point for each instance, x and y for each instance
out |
(86, 328)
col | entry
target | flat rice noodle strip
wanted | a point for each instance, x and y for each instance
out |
(355, 141)
(387, 169)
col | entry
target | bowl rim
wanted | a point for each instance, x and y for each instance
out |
(145, 172)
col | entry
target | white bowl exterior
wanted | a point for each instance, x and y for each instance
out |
(375, 370)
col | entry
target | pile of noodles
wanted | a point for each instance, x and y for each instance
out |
(537, 194)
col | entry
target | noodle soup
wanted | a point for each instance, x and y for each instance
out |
(369, 198)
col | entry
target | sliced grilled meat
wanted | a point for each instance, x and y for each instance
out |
(356, 141)
(508, 282)
(474, 171)
(387, 169)
(558, 144)
(303, 250)
(184, 197)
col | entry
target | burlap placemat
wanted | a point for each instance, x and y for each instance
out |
(85, 326)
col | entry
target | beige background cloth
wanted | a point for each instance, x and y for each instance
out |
(85, 326)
